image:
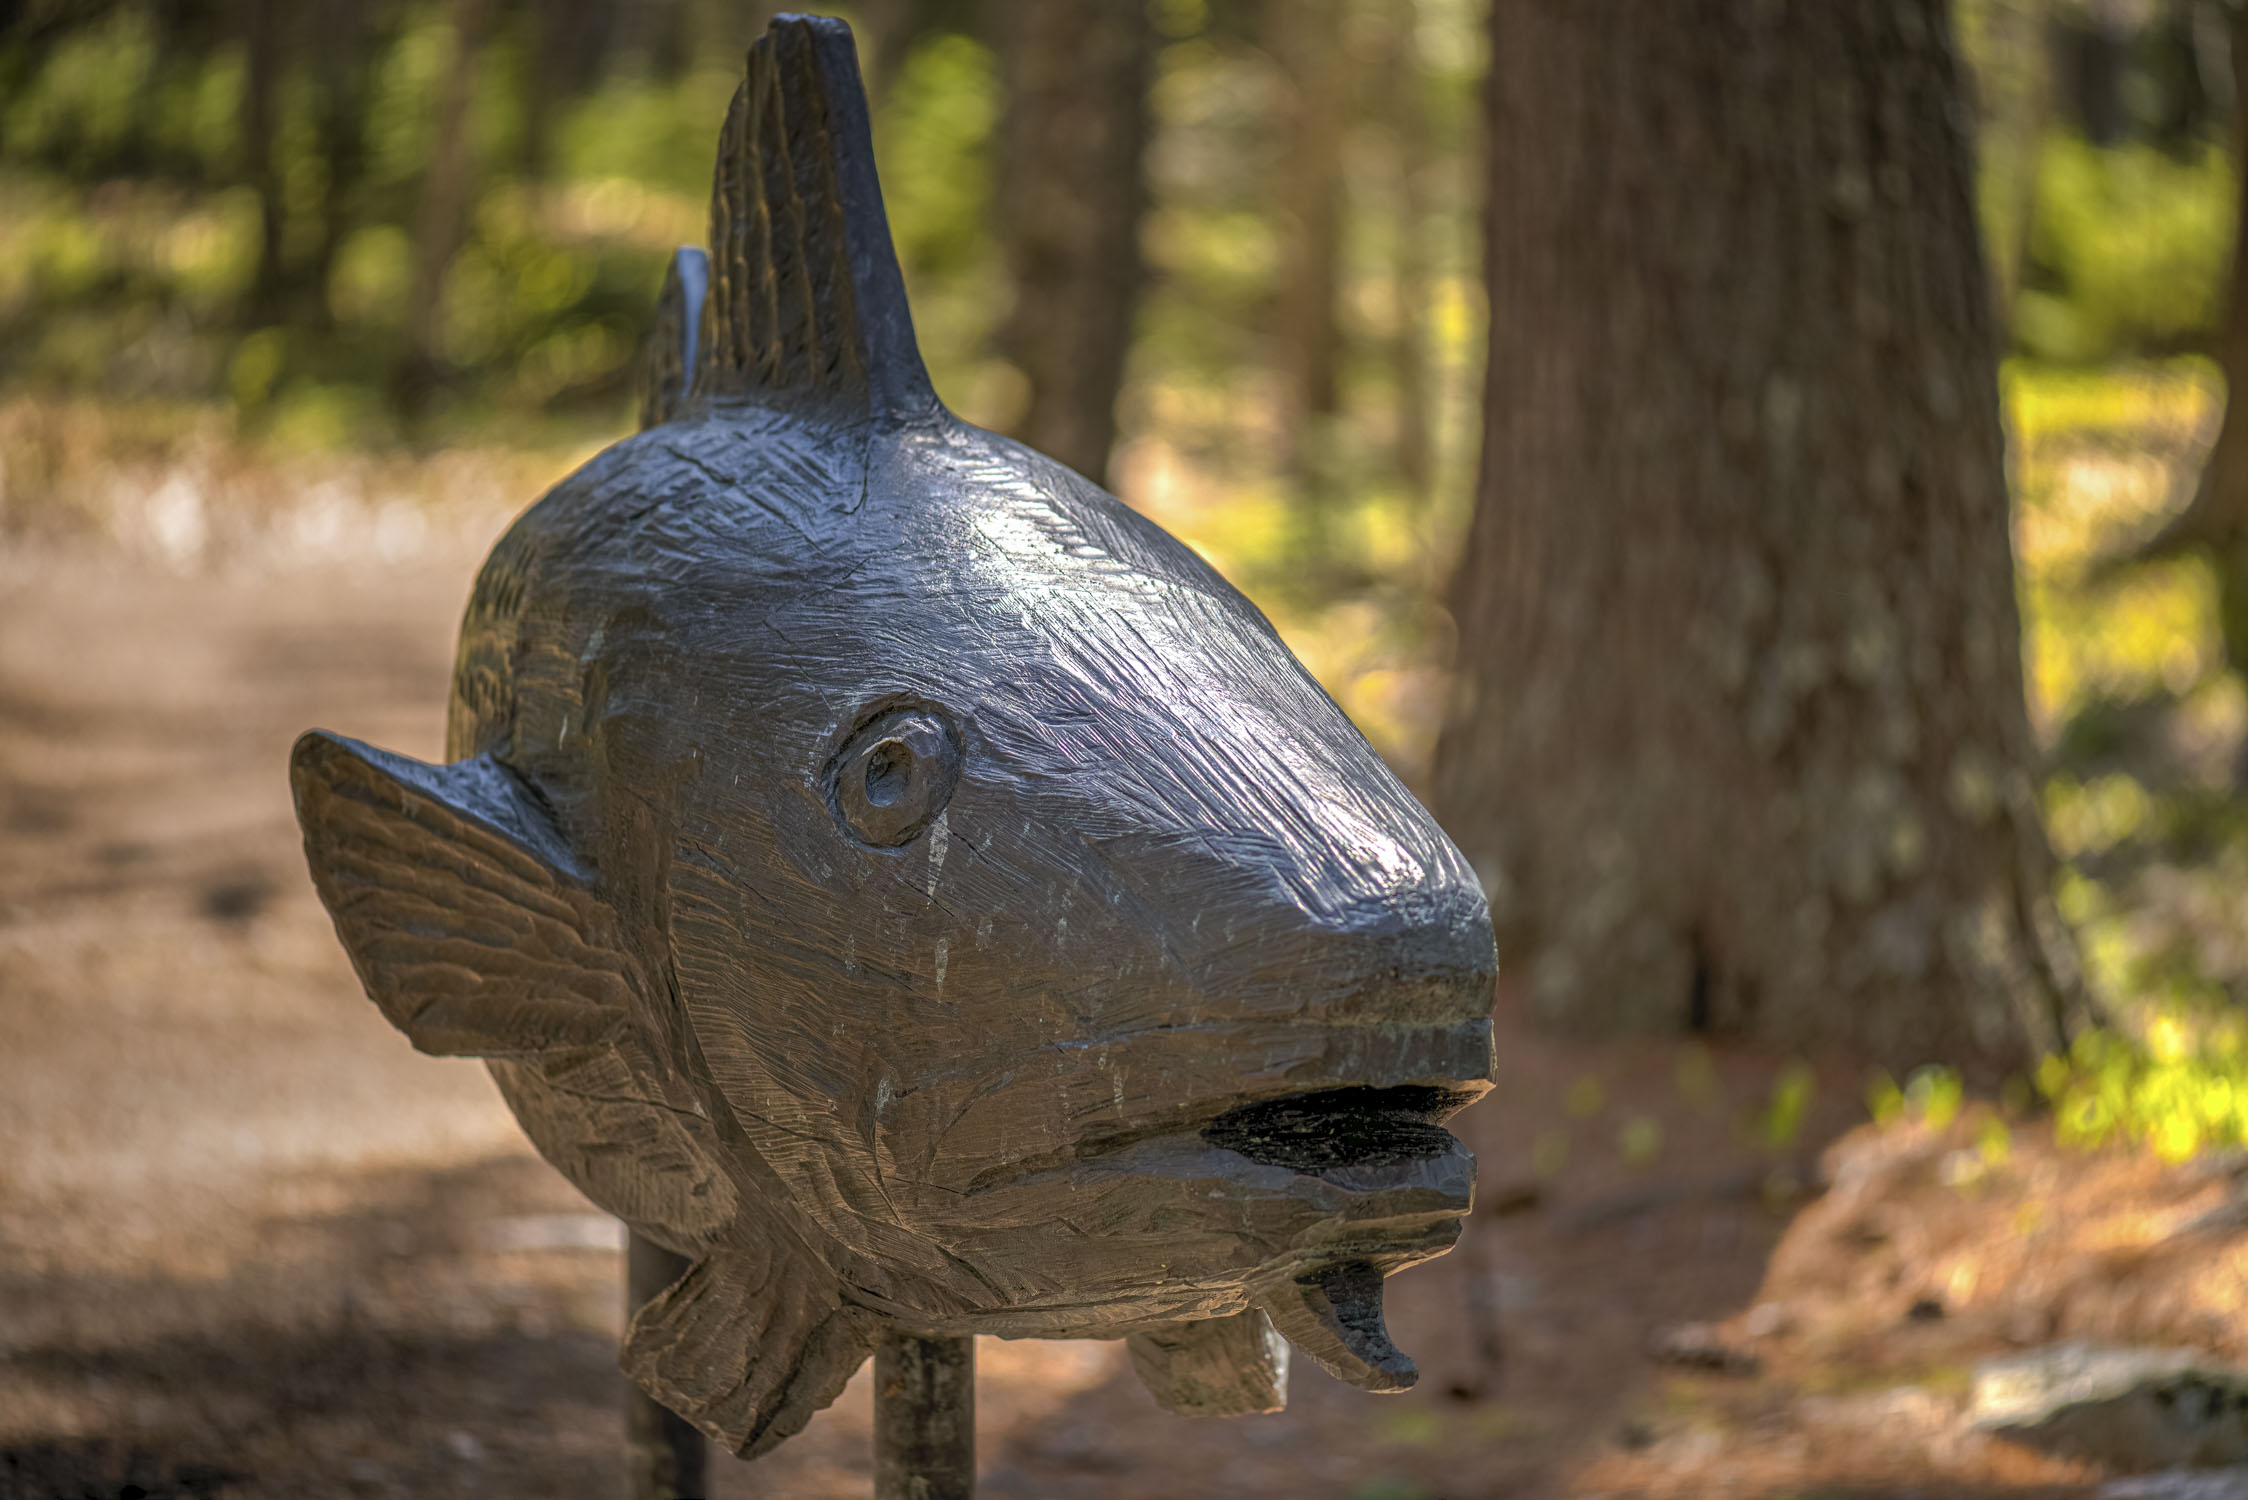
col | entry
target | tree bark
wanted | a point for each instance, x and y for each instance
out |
(264, 23)
(343, 75)
(1305, 37)
(1073, 189)
(1400, 106)
(1738, 740)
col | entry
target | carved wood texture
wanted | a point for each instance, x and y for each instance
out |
(890, 872)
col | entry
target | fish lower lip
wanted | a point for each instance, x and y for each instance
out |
(1339, 1129)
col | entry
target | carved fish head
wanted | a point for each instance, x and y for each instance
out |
(889, 870)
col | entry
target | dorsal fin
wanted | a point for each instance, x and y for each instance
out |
(667, 361)
(806, 308)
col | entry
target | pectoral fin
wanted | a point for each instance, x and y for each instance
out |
(466, 916)
(1215, 1367)
(748, 1345)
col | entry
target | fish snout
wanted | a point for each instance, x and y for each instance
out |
(1393, 990)
(1427, 956)
(1417, 952)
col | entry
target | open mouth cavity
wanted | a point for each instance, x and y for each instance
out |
(1334, 1128)
(1335, 1314)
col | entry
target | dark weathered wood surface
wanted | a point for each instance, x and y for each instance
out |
(893, 875)
(665, 1456)
(1214, 1367)
(924, 1418)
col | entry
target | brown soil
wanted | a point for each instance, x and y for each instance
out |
(252, 1245)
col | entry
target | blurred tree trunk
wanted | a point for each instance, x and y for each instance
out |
(549, 25)
(2013, 95)
(343, 71)
(1305, 37)
(570, 40)
(670, 35)
(2215, 523)
(2092, 54)
(1402, 111)
(263, 60)
(1739, 740)
(1073, 188)
(889, 30)
(441, 217)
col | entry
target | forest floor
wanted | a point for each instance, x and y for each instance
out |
(251, 1245)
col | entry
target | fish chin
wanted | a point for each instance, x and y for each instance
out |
(1299, 1206)
(1181, 1226)
(1385, 1146)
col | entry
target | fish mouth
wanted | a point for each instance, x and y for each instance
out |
(1363, 1139)
(1353, 1130)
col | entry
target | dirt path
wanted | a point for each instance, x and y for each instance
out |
(252, 1245)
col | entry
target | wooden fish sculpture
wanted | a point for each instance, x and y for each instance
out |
(884, 869)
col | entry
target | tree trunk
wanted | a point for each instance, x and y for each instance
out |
(1073, 190)
(1401, 89)
(1305, 37)
(2014, 92)
(263, 25)
(343, 75)
(2092, 46)
(569, 44)
(1739, 741)
(440, 218)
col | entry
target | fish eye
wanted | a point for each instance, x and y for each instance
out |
(894, 775)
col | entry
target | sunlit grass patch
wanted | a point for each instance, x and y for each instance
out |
(2100, 461)
(2179, 1089)
(2142, 721)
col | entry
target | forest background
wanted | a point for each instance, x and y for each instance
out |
(234, 236)
(299, 282)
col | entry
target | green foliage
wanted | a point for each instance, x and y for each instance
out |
(85, 104)
(2182, 1088)
(1388, 1489)
(1931, 1097)
(1696, 1076)
(1782, 1119)
(1549, 1154)
(656, 133)
(2128, 686)
(1639, 1140)
(129, 240)
(1413, 1426)
(2146, 728)
(936, 139)
(129, 230)
(2129, 250)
